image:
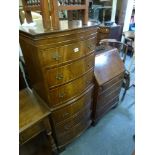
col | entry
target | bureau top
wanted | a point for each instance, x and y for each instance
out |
(107, 66)
(65, 25)
(31, 109)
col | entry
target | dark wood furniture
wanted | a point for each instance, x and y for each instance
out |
(68, 5)
(39, 5)
(61, 68)
(109, 32)
(22, 83)
(109, 73)
(33, 118)
(50, 10)
(113, 43)
(129, 39)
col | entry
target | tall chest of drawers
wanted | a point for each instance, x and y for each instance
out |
(61, 67)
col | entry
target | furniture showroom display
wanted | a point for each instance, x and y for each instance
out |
(60, 64)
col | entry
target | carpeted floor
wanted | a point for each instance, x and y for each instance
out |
(113, 135)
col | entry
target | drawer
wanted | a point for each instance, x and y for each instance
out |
(111, 82)
(69, 110)
(114, 86)
(61, 75)
(73, 133)
(70, 52)
(101, 110)
(103, 99)
(63, 37)
(31, 132)
(69, 123)
(70, 90)
(103, 30)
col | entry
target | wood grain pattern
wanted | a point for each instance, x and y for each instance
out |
(30, 111)
(61, 67)
(33, 118)
(64, 93)
(110, 64)
(109, 73)
(70, 71)
(45, 14)
(73, 108)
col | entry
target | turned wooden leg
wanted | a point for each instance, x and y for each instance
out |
(50, 138)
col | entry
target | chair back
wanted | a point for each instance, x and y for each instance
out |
(113, 43)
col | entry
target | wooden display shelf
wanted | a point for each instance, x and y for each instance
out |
(51, 8)
(71, 7)
(32, 8)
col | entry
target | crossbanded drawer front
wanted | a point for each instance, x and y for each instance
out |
(69, 123)
(108, 84)
(73, 133)
(65, 37)
(70, 71)
(31, 132)
(70, 90)
(103, 99)
(103, 109)
(114, 86)
(70, 52)
(73, 108)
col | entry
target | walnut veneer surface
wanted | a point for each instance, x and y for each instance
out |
(109, 32)
(109, 73)
(33, 118)
(60, 64)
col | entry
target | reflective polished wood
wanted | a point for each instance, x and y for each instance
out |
(33, 118)
(109, 74)
(61, 66)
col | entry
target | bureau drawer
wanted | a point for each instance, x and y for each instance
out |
(55, 56)
(70, 90)
(69, 123)
(70, 71)
(103, 109)
(73, 108)
(103, 99)
(73, 133)
(114, 86)
(31, 132)
(111, 82)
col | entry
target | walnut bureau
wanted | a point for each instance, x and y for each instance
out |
(109, 73)
(60, 64)
(33, 119)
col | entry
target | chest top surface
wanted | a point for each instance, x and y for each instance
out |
(107, 66)
(31, 110)
(65, 25)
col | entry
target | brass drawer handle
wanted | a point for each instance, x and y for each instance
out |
(61, 95)
(56, 56)
(88, 65)
(67, 127)
(67, 113)
(59, 76)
